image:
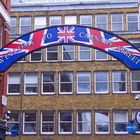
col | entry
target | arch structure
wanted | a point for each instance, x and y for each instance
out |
(95, 38)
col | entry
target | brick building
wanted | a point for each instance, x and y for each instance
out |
(73, 92)
(4, 39)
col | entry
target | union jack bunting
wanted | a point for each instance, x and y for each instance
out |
(70, 34)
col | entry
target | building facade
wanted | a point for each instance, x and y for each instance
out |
(4, 39)
(73, 92)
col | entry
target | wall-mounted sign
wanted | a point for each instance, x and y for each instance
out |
(4, 100)
(70, 34)
(137, 117)
(131, 127)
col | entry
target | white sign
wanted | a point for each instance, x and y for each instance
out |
(137, 117)
(4, 100)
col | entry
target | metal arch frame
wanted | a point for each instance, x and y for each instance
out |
(126, 53)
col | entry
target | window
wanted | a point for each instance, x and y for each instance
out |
(119, 82)
(13, 122)
(29, 123)
(13, 83)
(40, 22)
(68, 53)
(66, 83)
(83, 122)
(48, 122)
(135, 81)
(133, 118)
(55, 20)
(48, 85)
(101, 21)
(31, 83)
(117, 22)
(84, 82)
(132, 22)
(36, 56)
(120, 119)
(84, 53)
(69, 20)
(13, 26)
(52, 53)
(86, 20)
(24, 25)
(102, 122)
(101, 82)
(65, 122)
(99, 55)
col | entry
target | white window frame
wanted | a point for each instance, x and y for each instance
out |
(70, 20)
(135, 81)
(119, 122)
(65, 82)
(47, 93)
(36, 52)
(119, 81)
(95, 82)
(103, 122)
(88, 74)
(1, 38)
(25, 75)
(55, 18)
(83, 122)
(11, 121)
(24, 25)
(8, 93)
(86, 16)
(29, 122)
(53, 122)
(14, 26)
(79, 51)
(112, 22)
(103, 23)
(106, 59)
(132, 21)
(52, 52)
(65, 122)
(40, 25)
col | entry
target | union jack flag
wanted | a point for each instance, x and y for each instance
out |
(66, 34)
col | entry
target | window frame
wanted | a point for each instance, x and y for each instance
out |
(134, 81)
(85, 82)
(128, 22)
(62, 93)
(53, 122)
(31, 93)
(36, 52)
(74, 18)
(119, 92)
(79, 51)
(27, 122)
(52, 52)
(71, 60)
(120, 23)
(126, 132)
(95, 82)
(86, 16)
(108, 123)
(65, 133)
(77, 122)
(14, 26)
(48, 93)
(55, 18)
(36, 27)
(17, 73)
(20, 25)
(102, 23)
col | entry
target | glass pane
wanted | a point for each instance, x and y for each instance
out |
(136, 86)
(65, 116)
(48, 127)
(14, 88)
(85, 55)
(119, 76)
(84, 127)
(67, 87)
(83, 87)
(102, 127)
(30, 127)
(121, 127)
(52, 55)
(68, 56)
(101, 55)
(136, 75)
(29, 117)
(119, 86)
(101, 76)
(48, 116)
(48, 77)
(66, 77)
(84, 116)
(31, 88)
(101, 87)
(65, 127)
(48, 88)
